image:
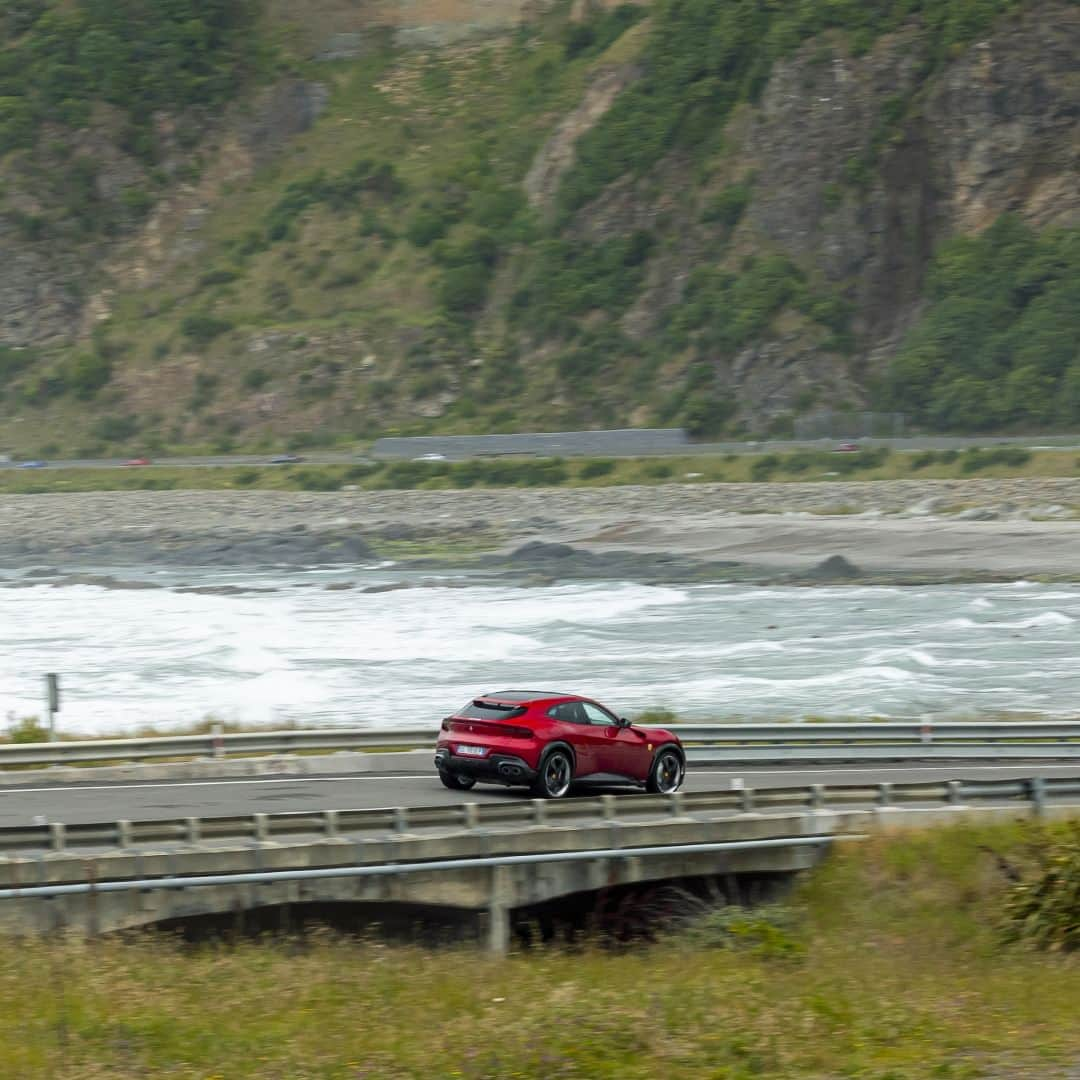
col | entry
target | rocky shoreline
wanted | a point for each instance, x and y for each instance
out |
(906, 530)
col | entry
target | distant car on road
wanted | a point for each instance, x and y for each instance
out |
(430, 457)
(847, 448)
(546, 741)
(32, 464)
(285, 459)
(135, 461)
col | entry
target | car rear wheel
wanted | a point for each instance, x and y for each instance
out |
(556, 772)
(667, 773)
(455, 781)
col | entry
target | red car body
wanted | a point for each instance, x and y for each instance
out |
(547, 741)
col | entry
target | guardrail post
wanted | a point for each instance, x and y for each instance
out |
(608, 804)
(746, 800)
(123, 834)
(330, 823)
(817, 796)
(1037, 793)
(470, 815)
(217, 742)
(194, 830)
(677, 804)
(262, 827)
(884, 797)
(401, 819)
(57, 836)
(953, 795)
(539, 812)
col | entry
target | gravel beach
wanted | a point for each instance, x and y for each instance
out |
(1009, 528)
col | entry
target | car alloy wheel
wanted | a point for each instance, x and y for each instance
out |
(555, 775)
(667, 773)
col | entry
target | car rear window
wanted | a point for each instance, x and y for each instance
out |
(490, 710)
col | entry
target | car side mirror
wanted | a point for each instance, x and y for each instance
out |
(624, 721)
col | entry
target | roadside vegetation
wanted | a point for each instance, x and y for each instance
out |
(796, 467)
(904, 957)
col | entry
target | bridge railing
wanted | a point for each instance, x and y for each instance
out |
(1033, 792)
(732, 742)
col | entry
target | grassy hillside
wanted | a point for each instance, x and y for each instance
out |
(399, 266)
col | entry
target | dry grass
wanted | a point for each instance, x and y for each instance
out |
(902, 976)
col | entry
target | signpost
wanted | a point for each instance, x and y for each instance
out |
(52, 701)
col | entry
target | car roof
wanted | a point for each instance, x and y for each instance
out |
(524, 695)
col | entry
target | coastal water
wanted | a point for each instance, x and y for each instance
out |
(302, 652)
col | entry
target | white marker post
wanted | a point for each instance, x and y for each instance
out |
(52, 701)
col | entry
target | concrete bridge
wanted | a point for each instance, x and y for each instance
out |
(486, 873)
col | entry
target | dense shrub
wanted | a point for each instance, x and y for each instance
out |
(345, 191)
(115, 428)
(202, 327)
(1000, 342)
(1043, 907)
(977, 459)
(570, 277)
(597, 467)
(137, 55)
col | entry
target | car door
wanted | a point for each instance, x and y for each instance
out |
(571, 724)
(619, 750)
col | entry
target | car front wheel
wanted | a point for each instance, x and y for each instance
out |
(667, 773)
(556, 772)
(456, 782)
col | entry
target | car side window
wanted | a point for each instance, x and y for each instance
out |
(569, 712)
(598, 717)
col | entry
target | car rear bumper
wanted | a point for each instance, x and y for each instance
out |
(496, 767)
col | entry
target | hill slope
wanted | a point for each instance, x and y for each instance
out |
(703, 212)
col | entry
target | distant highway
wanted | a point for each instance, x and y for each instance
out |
(571, 444)
(157, 800)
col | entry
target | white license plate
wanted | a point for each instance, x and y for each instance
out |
(472, 751)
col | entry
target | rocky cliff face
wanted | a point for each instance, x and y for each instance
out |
(855, 166)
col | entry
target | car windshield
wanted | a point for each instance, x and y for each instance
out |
(489, 710)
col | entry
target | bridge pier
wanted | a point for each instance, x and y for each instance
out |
(498, 911)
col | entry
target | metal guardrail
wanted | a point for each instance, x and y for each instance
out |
(528, 813)
(864, 740)
(393, 869)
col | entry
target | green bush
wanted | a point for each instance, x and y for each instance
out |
(764, 467)
(346, 191)
(202, 327)
(658, 470)
(87, 373)
(112, 429)
(976, 459)
(597, 467)
(1043, 908)
(28, 729)
(314, 480)
(727, 207)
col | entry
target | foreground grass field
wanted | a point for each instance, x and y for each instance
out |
(888, 964)
(799, 466)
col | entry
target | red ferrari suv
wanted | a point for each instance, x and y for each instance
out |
(546, 741)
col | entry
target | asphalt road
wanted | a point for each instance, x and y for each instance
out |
(151, 801)
(572, 447)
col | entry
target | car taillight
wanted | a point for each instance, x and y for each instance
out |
(517, 732)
